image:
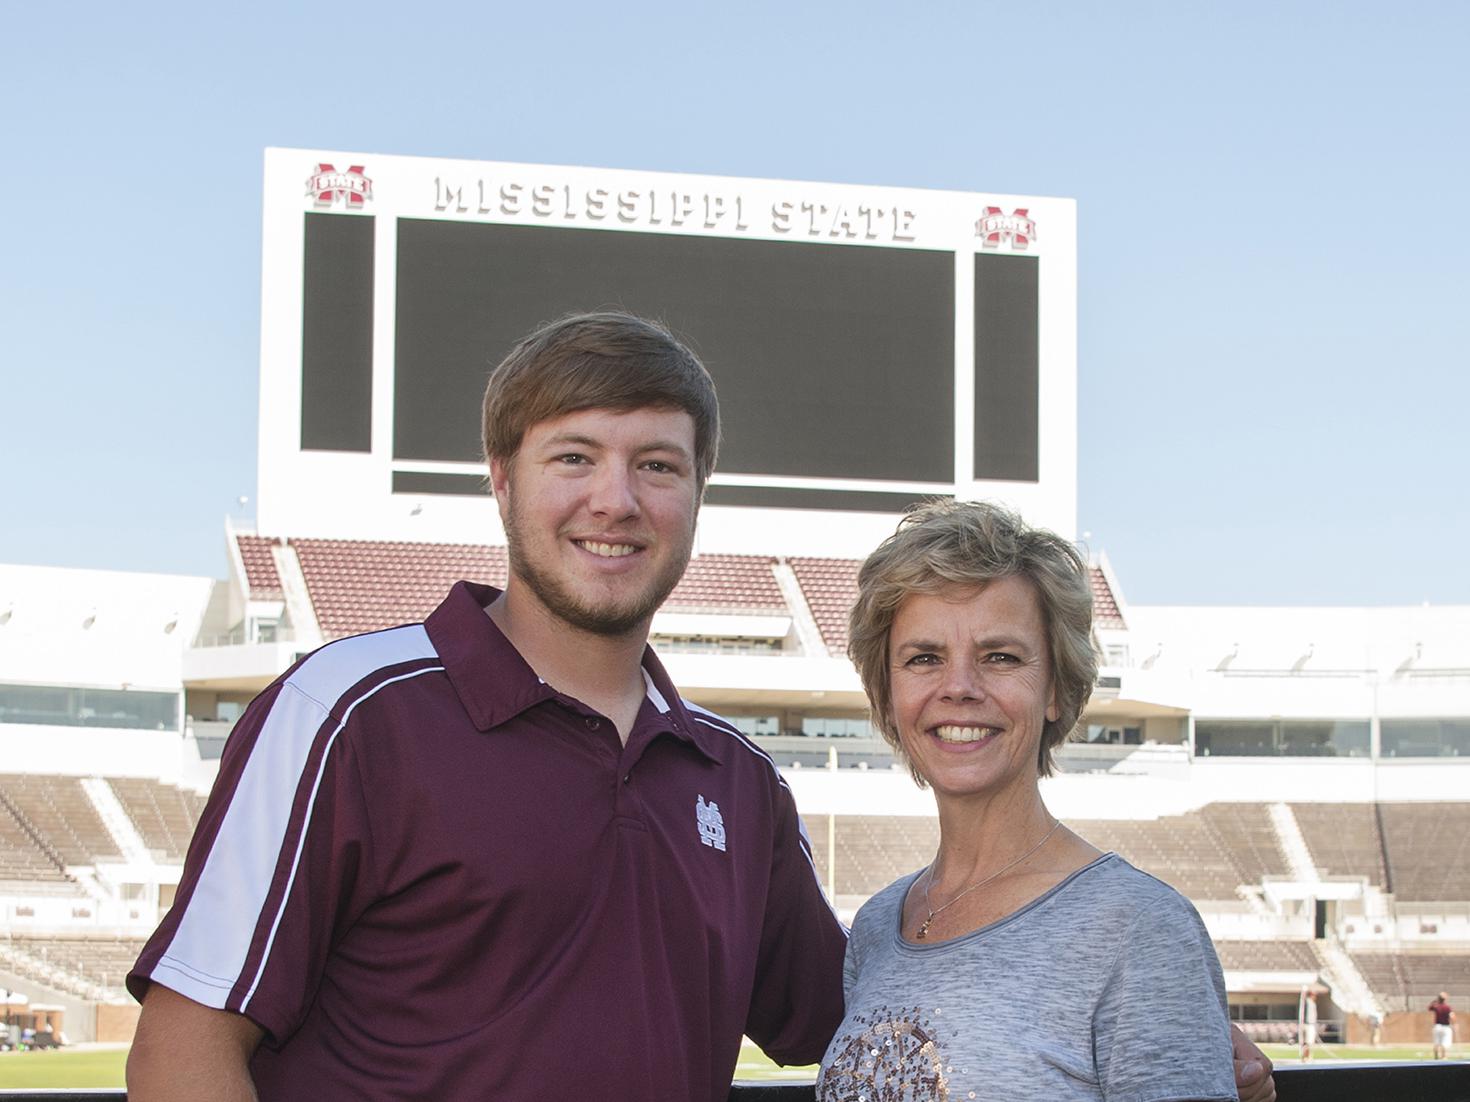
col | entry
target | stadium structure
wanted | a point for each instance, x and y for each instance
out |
(1300, 773)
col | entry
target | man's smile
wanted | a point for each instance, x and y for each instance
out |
(607, 550)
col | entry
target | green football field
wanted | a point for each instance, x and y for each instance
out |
(93, 1066)
(103, 1066)
(1325, 1054)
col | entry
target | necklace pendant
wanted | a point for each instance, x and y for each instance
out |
(923, 930)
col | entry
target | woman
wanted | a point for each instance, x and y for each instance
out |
(1023, 962)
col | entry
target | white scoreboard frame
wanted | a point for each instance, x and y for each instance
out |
(346, 495)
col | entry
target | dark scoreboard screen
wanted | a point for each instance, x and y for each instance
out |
(827, 357)
(833, 361)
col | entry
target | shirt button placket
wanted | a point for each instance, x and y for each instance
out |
(625, 796)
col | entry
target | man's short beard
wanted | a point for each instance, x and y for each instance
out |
(609, 620)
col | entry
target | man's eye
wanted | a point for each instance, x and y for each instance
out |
(658, 466)
(571, 459)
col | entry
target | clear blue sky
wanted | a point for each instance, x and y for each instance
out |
(1274, 205)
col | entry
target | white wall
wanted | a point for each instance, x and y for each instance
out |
(1389, 641)
(831, 682)
(98, 629)
(1171, 791)
(45, 638)
(90, 751)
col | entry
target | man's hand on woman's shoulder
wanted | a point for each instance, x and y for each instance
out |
(1253, 1082)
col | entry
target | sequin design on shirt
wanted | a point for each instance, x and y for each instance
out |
(887, 1056)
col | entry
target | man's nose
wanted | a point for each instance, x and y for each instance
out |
(614, 493)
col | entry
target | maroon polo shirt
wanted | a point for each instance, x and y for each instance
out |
(427, 874)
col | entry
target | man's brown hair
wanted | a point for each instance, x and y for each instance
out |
(606, 360)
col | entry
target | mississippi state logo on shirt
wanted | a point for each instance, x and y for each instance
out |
(710, 822)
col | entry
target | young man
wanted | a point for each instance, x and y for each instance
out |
(495, 855)
(1308, 1023)
(1444, 1025)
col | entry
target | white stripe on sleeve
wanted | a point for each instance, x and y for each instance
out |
(204, 959)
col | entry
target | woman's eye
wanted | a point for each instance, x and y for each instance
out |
(923, 660)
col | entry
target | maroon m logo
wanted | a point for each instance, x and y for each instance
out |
(994, 227)
(328, 187)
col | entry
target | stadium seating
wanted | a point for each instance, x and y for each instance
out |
(60, 815)
(1248, 837)
(1266, 956)
(873, 850)
(164, 815)
(262, 580)
(1343, 840)
(48, 823)
(1181, 850)
(1208, 855)
(728, 583)
(25, 862)
(1410, 980)
(830, 588)
(1428, 848)
(1105, 611)
(1215, 855)
(367, 585)
(88, 967)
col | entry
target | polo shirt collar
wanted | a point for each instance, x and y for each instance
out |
(495, 684)
(682, 722)
(493, 681)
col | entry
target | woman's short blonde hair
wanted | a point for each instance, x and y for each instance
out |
(949, 545)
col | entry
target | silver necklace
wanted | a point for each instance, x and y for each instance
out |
(923, 930)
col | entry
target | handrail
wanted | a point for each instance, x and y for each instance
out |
(1440, 1081)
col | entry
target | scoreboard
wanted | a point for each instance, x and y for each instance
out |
(872, 346)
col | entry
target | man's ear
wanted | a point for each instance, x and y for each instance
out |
(500, 478)
(500, 483)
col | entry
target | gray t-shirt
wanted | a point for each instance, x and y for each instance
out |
(1106, 987)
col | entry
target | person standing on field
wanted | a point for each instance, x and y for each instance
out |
(1443, 1030)
(1308, 1023)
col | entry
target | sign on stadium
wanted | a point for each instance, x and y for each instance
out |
(872, 346)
